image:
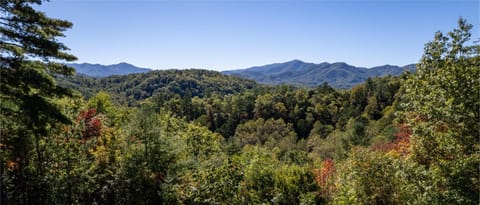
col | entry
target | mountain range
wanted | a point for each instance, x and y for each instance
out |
(299, 73)
(295, 72)
(97, 70)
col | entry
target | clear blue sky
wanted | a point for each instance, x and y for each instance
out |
(221, 34)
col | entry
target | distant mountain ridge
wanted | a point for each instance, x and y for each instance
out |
(97, 70)
(296, 72)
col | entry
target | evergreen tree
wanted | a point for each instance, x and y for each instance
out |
(30, 57)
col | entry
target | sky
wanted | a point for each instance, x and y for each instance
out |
(226, 34)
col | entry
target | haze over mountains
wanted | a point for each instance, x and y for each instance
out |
(295, 72)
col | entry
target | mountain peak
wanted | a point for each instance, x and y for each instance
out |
(295, 61)
(98, 70)
(296, 72)
(123, 63)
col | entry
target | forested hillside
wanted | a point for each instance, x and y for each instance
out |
(338, 75)
(130, 89)
(200, 137)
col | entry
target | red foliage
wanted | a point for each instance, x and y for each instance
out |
(402, 140)
(400, 144)
(324, 178)
(92, 123)
(86, 114)
(13, 165)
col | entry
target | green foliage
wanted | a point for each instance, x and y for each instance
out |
(355, 131)
(267, 180)
(294, 185)
(366, 178)
(332, 147)
(442, 108)
(162, 84)
(320, 130)
(30, 56)
(373, 177)
(199, 137)
(270, 133)
(217, 183)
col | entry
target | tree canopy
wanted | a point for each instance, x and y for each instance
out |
(31, 56)
(200, 137)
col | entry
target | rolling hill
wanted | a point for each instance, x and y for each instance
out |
(132, 88)
(299, 73)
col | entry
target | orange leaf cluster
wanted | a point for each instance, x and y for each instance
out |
(13, 165)
(400, 144)
(324, 178)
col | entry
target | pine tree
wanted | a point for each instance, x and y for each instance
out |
(31, 56)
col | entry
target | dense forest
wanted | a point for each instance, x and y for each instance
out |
(200, 137)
